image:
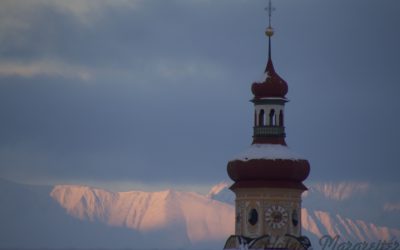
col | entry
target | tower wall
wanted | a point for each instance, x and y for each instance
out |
(278, 212)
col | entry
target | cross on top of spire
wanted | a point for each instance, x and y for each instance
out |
(269, 31)
(270, 9)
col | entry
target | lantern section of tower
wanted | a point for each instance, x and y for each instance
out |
(268, 177)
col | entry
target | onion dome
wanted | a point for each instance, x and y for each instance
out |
(268, 165)
(273, 85)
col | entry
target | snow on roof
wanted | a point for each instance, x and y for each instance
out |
(268, 152)
(274, 98)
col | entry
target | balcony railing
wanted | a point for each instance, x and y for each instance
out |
(269, 131)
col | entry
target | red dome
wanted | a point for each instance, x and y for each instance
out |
(266, 171)
(272, 86)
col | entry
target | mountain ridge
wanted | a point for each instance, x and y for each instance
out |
(194, 216)
(80, 216)
(316, 222)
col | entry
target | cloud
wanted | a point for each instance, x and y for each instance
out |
(85, 11)
(88, 11)
(87, 38)
(392, 207)
(154, 70)
(45, 68)
(25, 25)
(174, 77)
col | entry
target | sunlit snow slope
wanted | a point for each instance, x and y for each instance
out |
(185, 214)
(202, 218)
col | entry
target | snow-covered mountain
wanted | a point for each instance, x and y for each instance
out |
(222, 193)
(31, 219)
(184, 217)
(320, 223)
(198, 219)
(81, 216)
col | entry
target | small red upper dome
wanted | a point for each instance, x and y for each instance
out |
(272, 86)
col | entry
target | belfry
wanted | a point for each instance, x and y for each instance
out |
(268, 177)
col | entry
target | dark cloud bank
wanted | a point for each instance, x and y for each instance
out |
(166, 97)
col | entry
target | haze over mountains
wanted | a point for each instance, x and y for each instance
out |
(85, 217)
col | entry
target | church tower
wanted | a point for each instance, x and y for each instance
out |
(268, 177)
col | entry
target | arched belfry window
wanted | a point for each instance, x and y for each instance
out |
(255, 117)
(281, 122)
(272, 121)
(261, 118)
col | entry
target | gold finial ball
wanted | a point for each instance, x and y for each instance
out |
(269, 31)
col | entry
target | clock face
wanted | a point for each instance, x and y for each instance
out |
(276, 217)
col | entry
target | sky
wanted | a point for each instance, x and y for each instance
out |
(153, 94)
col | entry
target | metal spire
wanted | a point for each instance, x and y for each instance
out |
(269, 31)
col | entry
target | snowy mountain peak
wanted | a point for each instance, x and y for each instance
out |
(340, 191)
(216, 189)
(221, 192)
(172, 219)
(320, 223)
(184, 215)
